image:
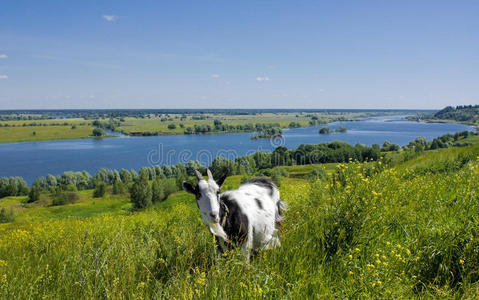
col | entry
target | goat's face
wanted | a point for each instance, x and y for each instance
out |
(207, 197)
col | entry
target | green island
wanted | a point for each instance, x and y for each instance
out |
(362, 222)
(21, 126)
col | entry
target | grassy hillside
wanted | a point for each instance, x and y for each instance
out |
(467, 114)
(367, 231)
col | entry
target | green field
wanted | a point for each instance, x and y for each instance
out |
(155, 124)
(21, 133)
(368, 231)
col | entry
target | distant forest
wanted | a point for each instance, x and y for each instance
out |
(465, 114)
(141, 113)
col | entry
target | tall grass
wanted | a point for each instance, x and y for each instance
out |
(367, 232)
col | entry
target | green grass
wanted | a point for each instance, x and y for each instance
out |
(21, 133)
(431, 157)
(395, 234)
(83, 129)
(86, 206)
(303, 171)
(154, 123)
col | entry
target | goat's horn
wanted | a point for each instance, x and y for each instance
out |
(210, 175)
(198, 175)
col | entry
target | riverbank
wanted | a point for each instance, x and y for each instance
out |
(33, 159)
(165, 124)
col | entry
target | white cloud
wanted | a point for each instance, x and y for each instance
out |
(265, 78)
(215, 76)
(2, 76)
(110, 18)
(3, 56)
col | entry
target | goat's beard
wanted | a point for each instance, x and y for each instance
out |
(217, 230)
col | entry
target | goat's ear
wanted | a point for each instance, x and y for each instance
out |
(220, 181)
(189, 188)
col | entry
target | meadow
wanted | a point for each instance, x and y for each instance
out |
(151, 124)
(43, 130)
(383, 229)
(159, 124)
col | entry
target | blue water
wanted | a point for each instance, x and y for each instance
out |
(33, 159)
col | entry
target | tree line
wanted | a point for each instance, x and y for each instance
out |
(153, 184)
(463, 113)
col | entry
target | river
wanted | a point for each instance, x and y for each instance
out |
(33, 159)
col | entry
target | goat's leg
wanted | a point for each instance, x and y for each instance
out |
(248, 244)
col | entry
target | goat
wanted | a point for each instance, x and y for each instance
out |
(249, 216)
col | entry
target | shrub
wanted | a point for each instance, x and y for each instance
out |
(316, 174)
(276, 177)
(34, 194)
(140, 194)
(158, 193)
(119, 188)
(62, 197)
(100, 190)
(98, 132)
(324, 130)
(6, 216)
(169, 187)
(245, 178)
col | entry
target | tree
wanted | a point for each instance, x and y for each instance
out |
(98, 132)
(125, 176)
(51, 180)
(100, 189)
(324, 130)
(167, 171)
(169, 186)
(276, 178)
(222, 167)
(34, 194)
(157, 191)
(118, 188)
(281, 157)
(41, 183)
(193, 165)
(245, 165)
(141, 194)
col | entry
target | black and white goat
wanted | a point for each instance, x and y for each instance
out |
(249, 216)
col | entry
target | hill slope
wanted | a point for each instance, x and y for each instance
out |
(367, 231)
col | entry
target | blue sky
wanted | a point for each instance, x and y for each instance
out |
(233, 54)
